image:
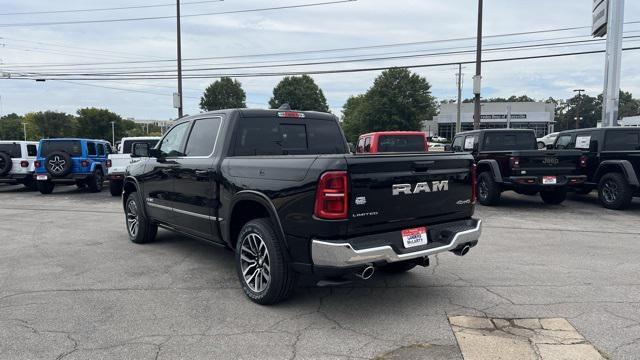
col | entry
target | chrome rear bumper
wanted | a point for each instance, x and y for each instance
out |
(342, 254)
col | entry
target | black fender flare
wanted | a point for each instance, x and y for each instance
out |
(134, 181)
(495, 169)
(624, 165)
(260, 198)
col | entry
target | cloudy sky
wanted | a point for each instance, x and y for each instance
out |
(225, 40)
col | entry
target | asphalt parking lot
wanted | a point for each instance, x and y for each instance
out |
(72, 286)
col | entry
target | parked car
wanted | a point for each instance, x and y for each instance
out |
(17, 162)
(508, 159)
(392, 141)
(438, 139)
(281, 189)
(610, 160)
(547, 140)
(71, 161)
(117, 163)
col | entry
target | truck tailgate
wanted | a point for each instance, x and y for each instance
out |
(549, 162)
(401, 191)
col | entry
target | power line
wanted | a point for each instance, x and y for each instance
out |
(122, 89)
(106, 9)
(339, 71)
(172, 17)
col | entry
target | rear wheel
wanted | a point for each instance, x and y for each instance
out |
(139, 228)
(30, 184)
(264, 272)
(45, 187)
(554, 197)
(399, 267)
(614, 191)
(115, 187)
(96, 181)
(488, 190)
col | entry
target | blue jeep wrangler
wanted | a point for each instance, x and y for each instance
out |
(71, 161)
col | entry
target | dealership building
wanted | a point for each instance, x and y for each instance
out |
(538, 116)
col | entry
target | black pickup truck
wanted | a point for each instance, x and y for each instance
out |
(281, 189)
(610, 160)
(508, 159)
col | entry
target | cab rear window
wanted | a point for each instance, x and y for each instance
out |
(72, 147)
(274, 136)
(401, 143)
(13, 150)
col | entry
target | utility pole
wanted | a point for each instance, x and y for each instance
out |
(24, 128)
(477, 80)
(579, 91)
(113, 133)
(179, 38)
(611, 100)
(459, 117)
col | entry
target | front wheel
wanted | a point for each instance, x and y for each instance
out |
(614, 192)
(488, 190)
(553, 197)
(139, 228)
(115, 187)
(542, 146)
(262, 268)
(45, 187)
(96, 181)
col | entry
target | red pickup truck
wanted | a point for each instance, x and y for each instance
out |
(392, 141)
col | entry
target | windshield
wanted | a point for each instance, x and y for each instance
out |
(506, 141)
(401, 143)
(127, 145)
(72, 147)
(13, 150)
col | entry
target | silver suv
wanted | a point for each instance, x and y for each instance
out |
(17, 162)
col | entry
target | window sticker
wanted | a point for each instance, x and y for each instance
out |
(582, 142)
(468, 143)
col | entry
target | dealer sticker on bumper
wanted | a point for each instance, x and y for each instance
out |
(414, 237)
(42, 177)
(549, 180)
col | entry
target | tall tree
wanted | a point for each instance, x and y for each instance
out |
(398, 100)
(95, 123)
(223, 94)
(11, 127)
(50, 124)
(301, 93)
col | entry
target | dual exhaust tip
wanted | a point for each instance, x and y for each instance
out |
(462, 250)
(366, 273)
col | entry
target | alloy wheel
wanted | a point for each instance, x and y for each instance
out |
(57, 164)
(483, 189)
(610, 191)
(255, 262)
(132, 218)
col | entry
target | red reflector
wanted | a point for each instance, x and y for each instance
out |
(24, 163)
(291, 114)
(84, 163)
(332, 196)
(583, 161)
(108, 163)
(36, 163)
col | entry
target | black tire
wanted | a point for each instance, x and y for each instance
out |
(399, 267)
(139, 228)
(554, 197)
(614, 191)
(81, 184)
(258, 247)
(96, 181)
(45, 187)
(30, 184)
(58, 164)
(115, 187)
(488, 190)
(5, 163)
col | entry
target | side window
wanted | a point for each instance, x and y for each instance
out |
(360, 148)
(619, 140)
(457, 143)
(469, 141)
(367, 144)
(32, 150)
(171, 145)
(101, 150)
(563, 142)
(91, 149)
(203, 137)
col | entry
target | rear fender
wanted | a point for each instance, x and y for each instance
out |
(493, 166)
(621, 166)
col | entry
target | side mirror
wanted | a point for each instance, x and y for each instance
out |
(140, 150)
(447, 147)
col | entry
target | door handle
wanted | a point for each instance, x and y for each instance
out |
(202, 174)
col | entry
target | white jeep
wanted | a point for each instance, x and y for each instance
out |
(17, 162)
(117, 163)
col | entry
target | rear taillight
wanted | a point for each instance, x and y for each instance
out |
(583, 161)
(24, 163)
(474, 184)
(514, 162)
(36, 163)
(84, 163)
(332, 196)
(108, 163)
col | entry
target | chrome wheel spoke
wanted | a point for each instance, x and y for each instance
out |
(254, 262)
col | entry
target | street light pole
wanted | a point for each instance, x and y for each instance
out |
(459, 114)
(579, 91)
(179, 43)
(113, 133)
(478, 78)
